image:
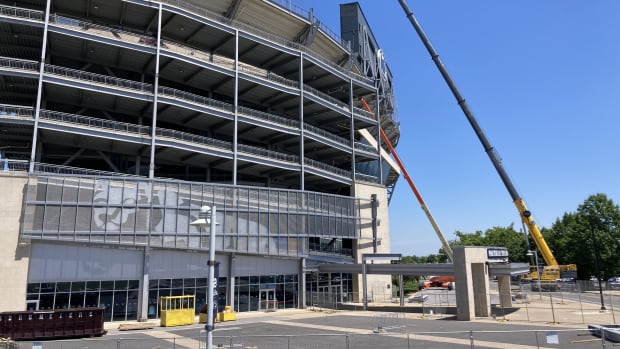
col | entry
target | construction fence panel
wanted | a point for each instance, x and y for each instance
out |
(600, 337)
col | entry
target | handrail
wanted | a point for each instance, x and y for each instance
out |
(300, 11)
(366, 178)
(7, 165)
(99, 78)
(257, 114)
(149, 41)
(326, 167)
(101, 30)
(328, 135)
(69, 170)
(272, 37)
(270, 154)
(22, 64)
(194, 98)
(170, 92)
(326, 97)
(179, 94)
(220, 61)
(163, 132)
(192, 138)
(363, 113)
(16, 110)
(365, 147)
(21, 12)
(94, 122)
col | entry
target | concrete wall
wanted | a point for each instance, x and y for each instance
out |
(379, 286)
(13, 256)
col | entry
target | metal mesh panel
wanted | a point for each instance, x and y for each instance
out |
(157, 213)
(67, 218)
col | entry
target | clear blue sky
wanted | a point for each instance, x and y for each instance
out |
(542, 78)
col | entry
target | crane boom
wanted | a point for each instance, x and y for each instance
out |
(526, 215)
(427, 212)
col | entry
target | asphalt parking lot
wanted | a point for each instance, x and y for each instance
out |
(343, 329)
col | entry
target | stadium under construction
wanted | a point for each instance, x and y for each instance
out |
(120, 119)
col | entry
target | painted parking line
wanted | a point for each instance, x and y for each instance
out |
(429, 338)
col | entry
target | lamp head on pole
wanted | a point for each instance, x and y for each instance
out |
(204, 217)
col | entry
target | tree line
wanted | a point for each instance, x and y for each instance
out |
(588, 237)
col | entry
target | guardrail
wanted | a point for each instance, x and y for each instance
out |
(300, 11)
(269, 36)
(16, 110)
(328, 135)
(268, 117)
(366, 178)
(21, 13)
(75, 119)
(149, 41)
(21, 64)
(75, 171)
(99, 79)
(365, 147)
(117, 126)
(326, 167)
(194, 98)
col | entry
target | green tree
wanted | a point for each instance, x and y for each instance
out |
(595, 226)
(497, 236)
(469, 239)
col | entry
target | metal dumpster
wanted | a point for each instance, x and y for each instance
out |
(46, 324)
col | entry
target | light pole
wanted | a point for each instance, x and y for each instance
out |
(596, 257)
(531, 253)
(206, 218)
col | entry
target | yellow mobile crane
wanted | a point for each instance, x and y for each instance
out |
(552, 271)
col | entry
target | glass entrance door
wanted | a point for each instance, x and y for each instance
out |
(329, 295)
(268, 300)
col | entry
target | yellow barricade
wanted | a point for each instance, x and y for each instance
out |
(177, 310)
(228, 314)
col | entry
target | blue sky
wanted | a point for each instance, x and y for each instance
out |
(542, 79)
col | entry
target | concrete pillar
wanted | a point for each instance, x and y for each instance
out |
(144, 287)
(471, 276)
(301, 284)
(503, 286)
(482, 298)
(230, 284)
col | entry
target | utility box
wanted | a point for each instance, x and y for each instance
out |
(177, 310)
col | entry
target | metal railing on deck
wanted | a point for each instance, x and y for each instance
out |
(99, 79)
(269, 36)
(268, 117)
(194, 98)
(365, 147)
(328, 168)
(328, 135)
(16, 110)
(94, 122)
(21, 13)
(21, 64)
